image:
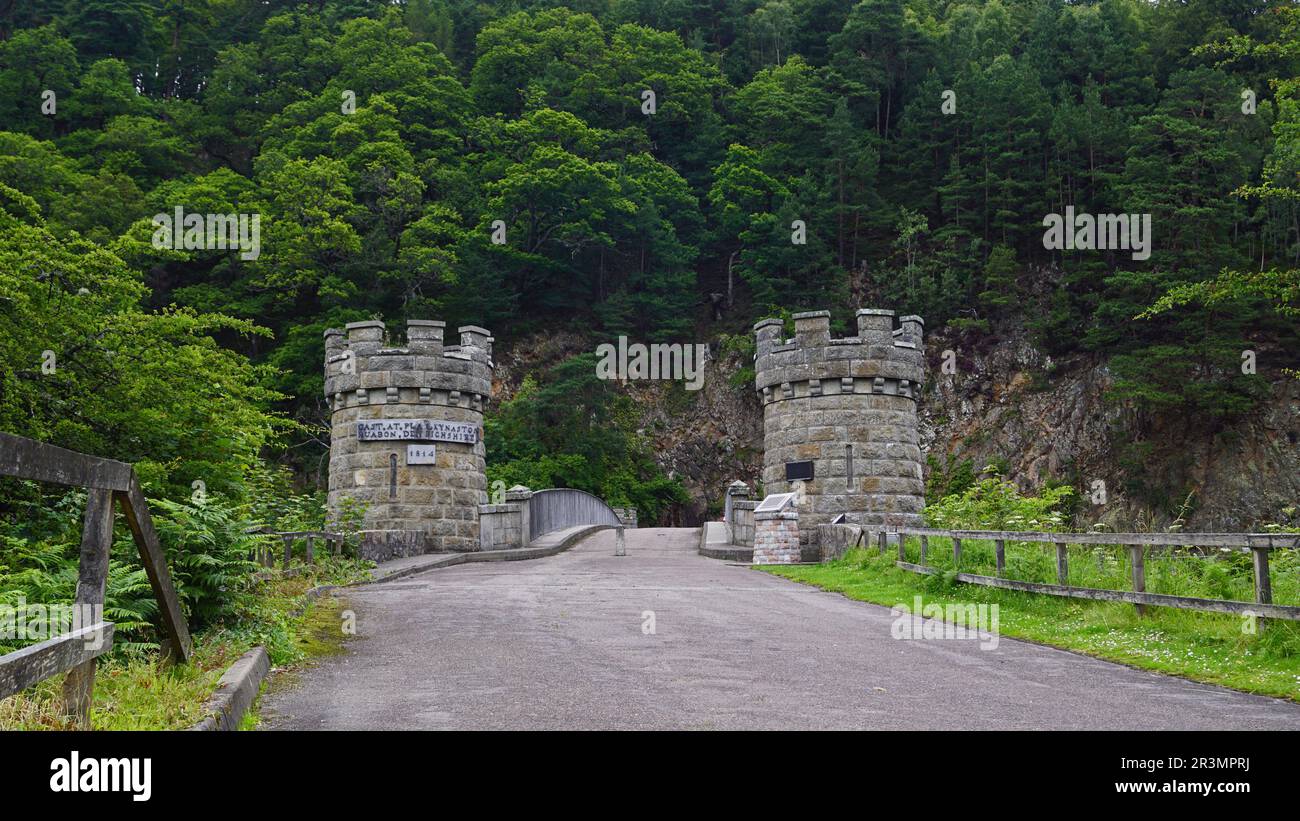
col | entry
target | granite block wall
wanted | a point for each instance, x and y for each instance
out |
(848, 407)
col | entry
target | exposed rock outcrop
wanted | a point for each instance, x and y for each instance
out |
(1010, 404)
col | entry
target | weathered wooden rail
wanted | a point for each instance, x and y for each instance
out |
(32, 665)
(105, 481)
(1138, 545)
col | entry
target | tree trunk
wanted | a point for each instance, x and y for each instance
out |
(730, 262)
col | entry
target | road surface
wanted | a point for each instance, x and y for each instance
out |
(564, 643)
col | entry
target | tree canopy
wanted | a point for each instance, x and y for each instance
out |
(608, 166)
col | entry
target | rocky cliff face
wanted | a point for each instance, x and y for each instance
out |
(1011, 405)
(705, 439)
(1008, 404)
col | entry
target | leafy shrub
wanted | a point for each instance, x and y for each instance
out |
(743, 346)
(948, 478)
(994, 503)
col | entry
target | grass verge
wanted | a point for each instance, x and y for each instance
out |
(137, 691)
(1207, 647)
(320, 634)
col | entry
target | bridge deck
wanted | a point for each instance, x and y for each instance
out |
(558, 643)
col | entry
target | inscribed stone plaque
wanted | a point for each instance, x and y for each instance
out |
(775, 501)
(419, 430)
(421, 455)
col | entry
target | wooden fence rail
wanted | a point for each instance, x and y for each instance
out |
(32, 665)
(106, 481)
(1137, 544)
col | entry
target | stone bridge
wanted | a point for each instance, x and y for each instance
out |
(839, 434)
(645, 628)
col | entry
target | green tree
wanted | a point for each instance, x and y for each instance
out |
(87, 366)
(32, 62)
(1000, 294)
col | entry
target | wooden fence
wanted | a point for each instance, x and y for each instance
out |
(105, 481)
(1137, 544)
(265, 555)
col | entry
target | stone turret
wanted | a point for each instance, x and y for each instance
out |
(407, 434)
(843, 411)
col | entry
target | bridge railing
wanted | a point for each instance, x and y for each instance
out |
(105, 481)
(1138, 546)
(559, 508)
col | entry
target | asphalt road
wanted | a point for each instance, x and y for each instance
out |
(562, 643)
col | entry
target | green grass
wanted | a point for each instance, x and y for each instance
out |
(136, 691)
(1217, 574)
(1208, 647)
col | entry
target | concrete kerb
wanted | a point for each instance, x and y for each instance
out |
(235, 693)
(729, 553)
(541, 547)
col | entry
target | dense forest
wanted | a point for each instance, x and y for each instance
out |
(645, 162)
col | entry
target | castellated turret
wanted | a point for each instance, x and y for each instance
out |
(407, 434)
(840, 416)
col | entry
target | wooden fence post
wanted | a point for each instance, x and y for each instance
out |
(902, 550)
(1000, 548)
(881, 542)
(925, 547)
(1062, 565)
(1137, 559)
(311, 554)
(288, 550)
(140, 521)
(1263, 585)
(956, 552)
(96, 544)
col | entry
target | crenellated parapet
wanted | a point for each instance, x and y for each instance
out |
(881, 359)
(360, 369)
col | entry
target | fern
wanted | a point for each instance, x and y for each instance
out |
(208, 547)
